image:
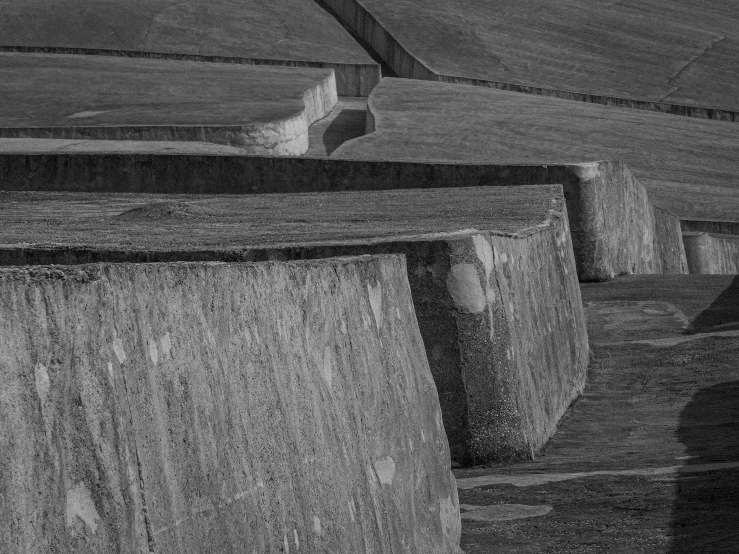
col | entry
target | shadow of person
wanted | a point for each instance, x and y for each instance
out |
(722, 314)
(705, 515)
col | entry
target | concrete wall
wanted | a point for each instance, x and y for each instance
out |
(351, 79)
(407, 65)
(219, 408)
(615, 229)
(719, 227)
(712, 254)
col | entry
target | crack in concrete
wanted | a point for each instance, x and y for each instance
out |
(680, 71)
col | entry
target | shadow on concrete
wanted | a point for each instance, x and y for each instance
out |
(705, 515)
(349, 124)
(722, 314)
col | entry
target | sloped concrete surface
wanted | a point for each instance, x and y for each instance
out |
(219, 408)
(689, 166)
(260, 110)
(288, 33)
(676, 56)
(492, 274)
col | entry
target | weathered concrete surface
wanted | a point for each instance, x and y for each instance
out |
(689, 166)
(492, 275)
(708, 253)
(288, 33)
(261, 110)
(654, 241)
(219, 408)
(676, 57)
(646, 459)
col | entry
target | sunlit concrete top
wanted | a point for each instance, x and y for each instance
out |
(689, 166)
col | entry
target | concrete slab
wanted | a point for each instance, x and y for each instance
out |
(709, 253)
(491, 270)
(646, 460)
(287, 32)
(689, 167)
(220, 408)
(260, 110)
(678, 57)
(599, 235)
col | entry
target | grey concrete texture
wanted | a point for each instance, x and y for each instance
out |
(219, 408)
(676, 57)
(654, 242)
(259, 110)
(712, 254)
(492, 275)
(689, 166)
(287, 32)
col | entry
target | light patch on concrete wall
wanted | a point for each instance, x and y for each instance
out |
(375, 298)
(385, 470)
(80, 505)
(449, 516)
(120, 353)
(464, 286)
(153, 352)
(484, 253)
(327, 366)
(317, 525)
(165, 343)
(297, 540)
(43, 384)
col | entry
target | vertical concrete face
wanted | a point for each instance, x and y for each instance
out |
(712, 254)
(615, 227)
(276, 407)
(504, 328)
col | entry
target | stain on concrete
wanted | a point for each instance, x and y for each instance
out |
(464, 286)
(120, 353)
(502, 512)
(375, 298)
(80, 505)
(385, 470)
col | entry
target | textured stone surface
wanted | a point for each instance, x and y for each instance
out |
(603, 245)
(491, 271)
(220, 408)
(646, 459)
(708, 253)
(689, 166)
(286, 32)
(669, 56)
(260, 110)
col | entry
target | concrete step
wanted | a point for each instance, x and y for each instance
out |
(491, 270)
(206, 407)
(648, 458)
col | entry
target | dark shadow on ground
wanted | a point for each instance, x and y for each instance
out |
(349, 124)
(722, 314)
(705, 515)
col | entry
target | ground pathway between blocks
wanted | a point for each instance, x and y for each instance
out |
(647, 460)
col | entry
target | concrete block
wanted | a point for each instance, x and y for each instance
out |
(564, 54)
(173, 408)
(709, 253)
(258, 110)
(491, 271)
(289, 33)
(597, 193)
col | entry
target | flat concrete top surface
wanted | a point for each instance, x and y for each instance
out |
(689, 166)
(161, 222)
(647, 459)
(678, 51)
(297, 30)
(52, 90)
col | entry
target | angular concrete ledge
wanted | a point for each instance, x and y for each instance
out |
(595, 192)
(353, 80)
(689, 166)
(260, 110)
(719, 227)
(212, 407)
(491, 271)
(709, 253)
(489, 53)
